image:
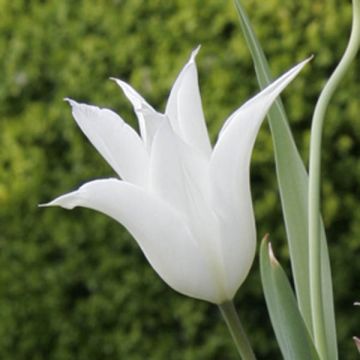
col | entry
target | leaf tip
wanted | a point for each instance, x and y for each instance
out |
(272, 257)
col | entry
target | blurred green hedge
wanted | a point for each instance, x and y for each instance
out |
(74, 285)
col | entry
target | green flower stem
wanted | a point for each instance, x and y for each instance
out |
(314, 183)
(237, 332)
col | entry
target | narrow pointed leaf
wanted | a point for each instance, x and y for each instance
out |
(290, 330)
(293, 187)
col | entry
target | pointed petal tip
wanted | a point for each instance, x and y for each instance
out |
(194, 53)
(301, 64)
(67, 201)
(125, 87)
(138, 102)
(116, 80)
(71, 102)
(297, 68)
(45, 205)
(120, 82)
(49, 204)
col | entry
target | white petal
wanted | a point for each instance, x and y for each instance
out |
(148, 118)
(116, 141)
(134, 97)
(179, 174)
(184, 108)
(263, 100)
(229, 172)
(162, 235)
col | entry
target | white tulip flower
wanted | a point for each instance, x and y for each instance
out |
(187, 205)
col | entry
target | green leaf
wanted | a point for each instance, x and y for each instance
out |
(290, 330)
(293, 186)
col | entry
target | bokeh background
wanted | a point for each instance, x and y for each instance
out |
(74, 285)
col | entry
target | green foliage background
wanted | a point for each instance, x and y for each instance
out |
(74, 285)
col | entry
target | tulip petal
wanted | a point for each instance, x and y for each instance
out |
(179, 175)
(171, 176)
(184, 108)
(157, 227)
(134, 97)
(116, 141)
(264, 99)
(229, 172)
(148, 118)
